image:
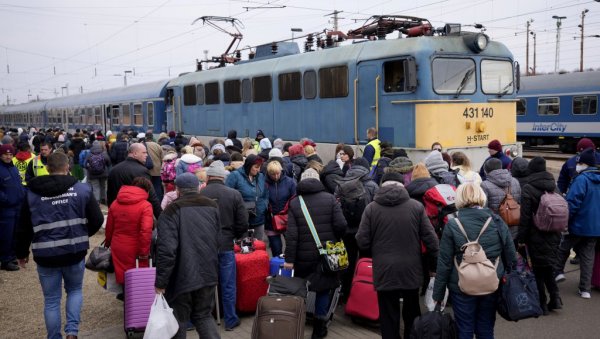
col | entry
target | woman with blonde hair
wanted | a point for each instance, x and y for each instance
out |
(475, 315)
(462, 164)
(421, 181)
(247, 145)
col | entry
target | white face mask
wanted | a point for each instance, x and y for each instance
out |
(581, 167)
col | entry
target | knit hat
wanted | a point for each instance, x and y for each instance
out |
(584, 144)
(519, 167)
(278, 143)
(216, 169)
(537, 164)
(587, 157)
(435, 163)
(61, 138)
(492, 164)
(187, 180)
(7, 148)
(275, 153)
(265, 143)
(392, 176)
(402, 164)
(495, 145)
(259, 133)
(309, 174)
(172, 134)
(217, 147)
(362, 162)
(7, 139)
(295, 150)
(228, 142)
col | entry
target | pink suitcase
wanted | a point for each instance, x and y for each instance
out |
(596, 271)
(139, 296)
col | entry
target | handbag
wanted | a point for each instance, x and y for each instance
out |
(251, 205)
(279, 220)
(100, 259)
(334, 256)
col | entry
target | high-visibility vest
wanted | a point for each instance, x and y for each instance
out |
(39, 168)
(22, 167)
(377, 147)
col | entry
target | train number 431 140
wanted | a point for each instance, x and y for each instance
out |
(476, 112)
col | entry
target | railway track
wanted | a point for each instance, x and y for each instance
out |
(547, 152)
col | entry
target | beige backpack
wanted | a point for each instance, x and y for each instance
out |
(476, 273)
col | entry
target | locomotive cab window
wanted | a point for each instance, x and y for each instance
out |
(521, 107)
(394, 78)
(333, 82)
(548, 106)
(211, 93)
(497, 77)
(453, 76)
(585, 104)
(232, 92)
(290, 86)
(261, 89)
(189, 95)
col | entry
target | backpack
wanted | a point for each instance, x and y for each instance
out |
(509, 210)
(552, 214)
(191, 168)
(476, 273)
(447, 177)
(167, 171)
(96, 165)
(354, 198)
(439, 205)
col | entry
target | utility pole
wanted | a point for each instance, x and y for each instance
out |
(581, 45)
(534, 51)
(557, 54)
(527, 48)
(335, 19)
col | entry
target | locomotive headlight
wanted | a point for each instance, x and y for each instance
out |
(476, 42)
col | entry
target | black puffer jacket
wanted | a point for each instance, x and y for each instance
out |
(123, 174)
(330, 175)
(329, 221)
(370, 186)
(542, 246)
(520, 171)
(417, 187)
(299, 162)
(392, 228)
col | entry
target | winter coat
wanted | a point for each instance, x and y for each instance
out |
(129, 229)
(95, 150)
(417, 188)
(314, 157)
(392, 229)
(279, 194)
(568, 172)
(251, 191)
(506, 163)
(496, 185)
(370, 186)
(123, 174)
(330, 176)
(184, 162)
(118, 151)
(543, 246)
(299, 162)
(584, 198)
(520, 171)
(466, 175)
(12, 192)
(495, 240)
(330, 224)
(232, 212)
(187, 245)
(156, 153)
(77, 145)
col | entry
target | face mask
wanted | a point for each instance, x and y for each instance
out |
(580, 168)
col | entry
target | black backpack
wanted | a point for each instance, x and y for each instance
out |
(354, 198)
(434, 325)
(448, 177)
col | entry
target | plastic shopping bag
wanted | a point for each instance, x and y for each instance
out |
(161, 322)
(429, 297)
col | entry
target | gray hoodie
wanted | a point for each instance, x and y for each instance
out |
(495, 185)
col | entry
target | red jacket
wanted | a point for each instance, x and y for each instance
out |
(129, 229)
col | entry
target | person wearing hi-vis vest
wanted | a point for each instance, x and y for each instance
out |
(37, 166)
(22, 159)
(372, 151)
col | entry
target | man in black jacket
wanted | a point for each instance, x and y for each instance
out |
(65, 215)
(186, 257)
(126, 171)
(234, 223)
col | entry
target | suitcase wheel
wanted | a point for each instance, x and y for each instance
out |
(130, 334)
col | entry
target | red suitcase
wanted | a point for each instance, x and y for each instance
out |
(139, 296)
(596, 271)
(258, 246)
(362, 302)
(252, 271)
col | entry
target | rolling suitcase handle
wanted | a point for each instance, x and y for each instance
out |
(137, 262)
(281, 268)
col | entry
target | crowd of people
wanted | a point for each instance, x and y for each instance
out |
(190, 201)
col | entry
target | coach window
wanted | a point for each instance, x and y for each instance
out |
(71, 116)
(138, 118)
(211, 93)
(246, 90)
(150, 110)
(452, 76)
(548, 106)
(115, 112)
(521, 107)
(585, 104)
(310, 84)
(290, 86)
(89, 116)
(126, 115)
(189, 95)
(333, 82)
(232, 92)
(98, 115)
(496, 77)
(200, 95)
(394, 76)
(262, 89)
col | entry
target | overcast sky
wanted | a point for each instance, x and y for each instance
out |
(49, 47)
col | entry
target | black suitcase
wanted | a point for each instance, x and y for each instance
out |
(279, 317)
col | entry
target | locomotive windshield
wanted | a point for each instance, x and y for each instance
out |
(496, 77)
(452, 75)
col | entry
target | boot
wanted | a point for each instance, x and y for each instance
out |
(555, 302)
(545, 309)
(319, 329)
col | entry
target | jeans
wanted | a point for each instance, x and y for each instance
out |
(98, 188)
(322, 304)
(158, 188)
(276, 245)
(196, 305)
(227, 282)
(389, 312)
(586, 252)
(51, 280)
(474, 315)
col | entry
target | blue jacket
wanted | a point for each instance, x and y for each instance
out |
(567, 173)
(11, 188)
(279, 194)
(239, 180)
(506, 162)
(583, 198)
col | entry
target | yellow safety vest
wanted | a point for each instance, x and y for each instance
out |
(22, 167)
(39, 168)
(377, 146)
(257, 147)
